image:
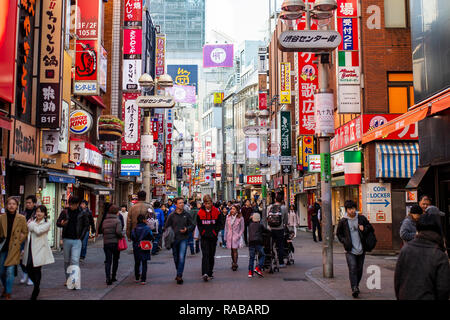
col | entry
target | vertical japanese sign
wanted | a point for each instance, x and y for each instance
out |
(168, 162)
(8, 25)
(50, 142)
(131, 71)
(262, 100)
(132, 43)
(285, 133)
(87, 55)
(160, 63)
(307, 149)
(49, 89)
(131, 115)
(285, 83)
(133, 13)
(25, 55)
(160, 149)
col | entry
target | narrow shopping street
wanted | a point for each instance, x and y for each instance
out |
(301, 281)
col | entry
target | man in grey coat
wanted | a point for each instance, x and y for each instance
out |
(408, 227)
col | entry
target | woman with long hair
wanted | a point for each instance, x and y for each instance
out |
(37, 251)
(234, 229)
(112, 230)
(13, 227)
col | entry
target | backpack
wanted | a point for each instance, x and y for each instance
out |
(369, 240)
(153, 223)
(275, 217)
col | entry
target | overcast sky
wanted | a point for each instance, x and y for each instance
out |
(239, 19)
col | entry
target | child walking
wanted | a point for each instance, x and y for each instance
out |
(255, 241)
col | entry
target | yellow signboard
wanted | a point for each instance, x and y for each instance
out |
(218, 97)
(285, 83)
(307, 146)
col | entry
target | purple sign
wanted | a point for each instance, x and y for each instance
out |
(218, 55)
(183, 94)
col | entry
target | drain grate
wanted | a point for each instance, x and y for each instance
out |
(294, 279)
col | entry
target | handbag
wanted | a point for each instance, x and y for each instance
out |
(145, 245)
(122, 245)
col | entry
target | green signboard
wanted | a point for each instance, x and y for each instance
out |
(285, 133)
(325, 166)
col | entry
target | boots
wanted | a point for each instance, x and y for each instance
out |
(234, 257)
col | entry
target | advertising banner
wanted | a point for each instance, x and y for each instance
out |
(307, 148)
(131, 114)
(253, 148)
(132, 43)
(130, 167)
(160, 148)
(184, 75)
(183, 94)
(346, 135)
(254, 179)
(64, 130)
(324, 113)
(131, 71)
(88, 19)
(169, 126)
(262, 101)
(160, 63)
(168, 163)
(348, 28)
(148, 150)
(218, 55)
(314, 163)
(103, 69)
(80, 122)
(378, 202)
(132, 13)
(25, 144)
(372, 121)
(348, 67)
(347, 8)
(8, 16)
(285, 83)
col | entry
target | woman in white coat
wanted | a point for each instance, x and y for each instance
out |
(37, 251)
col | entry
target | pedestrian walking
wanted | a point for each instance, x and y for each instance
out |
(353, 232)
(277, 220)
(181, 223)
(165, 210)
(158, 237)
(408, 226)
(209, 224)
(223, 215)
(14, 231)
(422, 271)
(112, 232)
(194, 212)
(141, 236)
(293, 220)
(141, 207)
(315, 222)
(85, 209)
(255, 245)
(37, 249)
(246, 212)
(75, 225)
(29, 213)
(124, 214)
(234, 229)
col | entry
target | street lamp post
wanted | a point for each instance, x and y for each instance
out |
(147, 83)
(323, 11)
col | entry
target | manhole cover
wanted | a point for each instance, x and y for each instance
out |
(294, 279)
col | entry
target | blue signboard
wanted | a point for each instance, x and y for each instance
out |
(347, 30)
(184, 74)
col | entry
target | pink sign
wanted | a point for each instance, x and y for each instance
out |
(373, 121)
(132, 42)
(347, 134)
(218, 55)
(183, 94)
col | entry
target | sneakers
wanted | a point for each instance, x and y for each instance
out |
(259, 272)
(143, 283)
(205, 277)
(179, 280)
(282, 265)
(29, 282)
(24, 278)
(210, 277)
(250, 274)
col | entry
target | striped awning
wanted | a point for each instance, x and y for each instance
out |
(397, 159)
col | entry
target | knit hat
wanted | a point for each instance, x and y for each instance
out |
(256, 217)
(429, 221)
(435, 210)
(416, 209)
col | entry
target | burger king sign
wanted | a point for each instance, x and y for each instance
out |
(80, 122)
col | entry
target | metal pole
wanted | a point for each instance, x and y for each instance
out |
(147, 179)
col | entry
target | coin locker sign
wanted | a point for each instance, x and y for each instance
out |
(378, 202)
(285, 82)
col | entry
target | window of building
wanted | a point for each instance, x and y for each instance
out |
(400, 92)
(395, 13)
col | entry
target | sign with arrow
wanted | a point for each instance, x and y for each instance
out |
(378, 202)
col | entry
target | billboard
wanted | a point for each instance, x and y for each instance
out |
(160, 55)
(184, 75)
(132, 13)
(8, 14)
(132, 43)
(218, 55)
(130, 167)
(183, 94)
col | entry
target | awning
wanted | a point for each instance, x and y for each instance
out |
(60, 177)
(396, 160)
(96, 100)
(432, 105)
(5, 122)
(417, 177)
(98, 188)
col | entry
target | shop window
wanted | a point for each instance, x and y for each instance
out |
(395, 13)
(400, 92)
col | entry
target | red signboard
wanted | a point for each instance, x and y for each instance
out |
(88, 19)
(160, 62)
(168, 162)
(262, 101)
(347, 8)
(254, 179)
(8, 14)
(86, 60)
(132, 13)
(132, 43)
(346, 135)
(308, 82)
(373, 121)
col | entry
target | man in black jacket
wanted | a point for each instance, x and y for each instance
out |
(84, 207)
(422, 271)
(351, 232)
(75, 224)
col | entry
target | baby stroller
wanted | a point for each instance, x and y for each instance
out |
(271, 261)
(288, 245)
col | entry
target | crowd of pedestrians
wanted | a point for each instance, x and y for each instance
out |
(422, 270)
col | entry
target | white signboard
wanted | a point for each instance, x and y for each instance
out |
(131, 120)
(155, 102)
(314, 163)
(148, 149)
(86, 88)
(64, 130)
(349, 75)
(77, 152)
(131, 71)
(50, 142)
(309, 40)
(378, 202)
(337, 162)
(324, 113)
(349, 99)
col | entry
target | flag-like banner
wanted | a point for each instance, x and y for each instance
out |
(352, 167)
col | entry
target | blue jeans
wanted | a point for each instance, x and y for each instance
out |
(6, 273)
(252, 252)
(157, 240)
(84, 245)
(191, 242)
(179, 249)
(224, 243)
(355, 268)
(72, 250)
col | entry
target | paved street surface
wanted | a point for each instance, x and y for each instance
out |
(303, 280)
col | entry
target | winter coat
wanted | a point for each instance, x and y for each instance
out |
(140, 233)
(160, 217)
(40, 248)
(139, 208)
(422, 271)
(292, 219)
(82, 222)
(234, 231)
(19, 234)
(256, 230)
(344, 236)
(179, 222)
(194, 213)
(247, 213)
(112, 229)
(408, 229)
(210, 223)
